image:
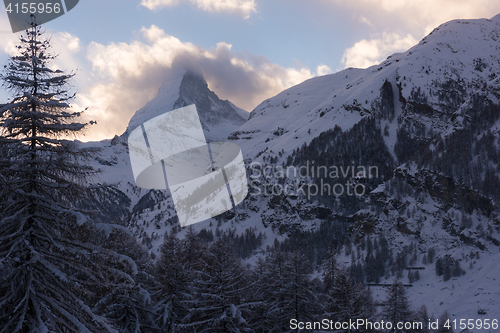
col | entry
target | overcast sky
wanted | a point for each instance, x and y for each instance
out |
(248, 50)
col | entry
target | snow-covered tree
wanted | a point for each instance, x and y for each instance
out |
(303, 303)
(272, 288)
(397, 307)
(174, 278)
(423, 316)
(128, 303)
(330, 268)
(445, 323)
(51, 268)
(219, 291)
(130, 308)
(283, 291)
(348, 301)
(258, 297)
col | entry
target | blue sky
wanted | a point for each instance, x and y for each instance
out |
(248, 50)
(286, 32)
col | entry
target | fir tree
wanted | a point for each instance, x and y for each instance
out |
(174, 277)
(51, 272)
(272, 289)
(128, 303)
(329, 267)
(397, 307)
(423, 317)
(285, 291)
(444, 320)
(258, 297)
(303, 303)
(348, 301)
(218, 303)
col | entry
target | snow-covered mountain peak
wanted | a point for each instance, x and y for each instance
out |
(496, 18)
(164, 100)
(181, 88)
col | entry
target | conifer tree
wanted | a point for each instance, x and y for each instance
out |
(50, 272)
(423, 316)
(219, 293)
(174, 278)
(397, 307)
(128, 303)
(445, 323)
(285, 291)
(258, 296)
(349, 301)
(330, 268)
(272, 289)
(303, 303)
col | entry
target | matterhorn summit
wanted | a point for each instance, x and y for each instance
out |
(183, 87)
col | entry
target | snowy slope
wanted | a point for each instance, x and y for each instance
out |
(407, 112)
(435, 89)
(432, 221)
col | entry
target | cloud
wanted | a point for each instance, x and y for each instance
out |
(362, 19)
(156, 4)
(8, 40)
(419, 17)
(323, 70)
(72, 43)
(239, 7)
(407, 20)
(66, 48)
(401, 23)
(125, 76)
(366, 53)
(120, 78)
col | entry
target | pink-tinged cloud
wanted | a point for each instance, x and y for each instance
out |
(125, 76)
